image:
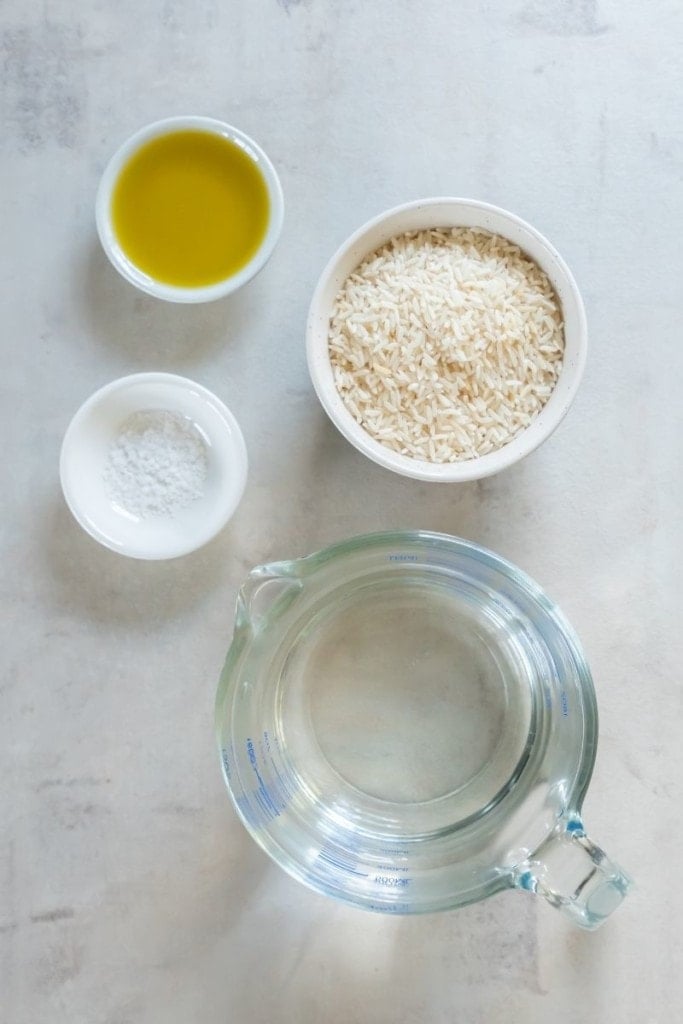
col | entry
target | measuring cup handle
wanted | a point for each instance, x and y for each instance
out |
(575, 876)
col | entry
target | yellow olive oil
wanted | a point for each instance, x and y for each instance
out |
(190, 208)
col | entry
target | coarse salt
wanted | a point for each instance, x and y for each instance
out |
(156, 465)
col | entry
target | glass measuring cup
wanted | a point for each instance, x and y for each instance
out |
(407, 723)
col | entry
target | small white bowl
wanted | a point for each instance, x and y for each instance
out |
(446, 213)
(85, 451)
(139, 278)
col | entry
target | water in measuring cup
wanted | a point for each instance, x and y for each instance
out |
(406, 705)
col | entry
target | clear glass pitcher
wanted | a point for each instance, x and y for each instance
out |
(407, 723)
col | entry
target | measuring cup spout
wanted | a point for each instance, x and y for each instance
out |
(266, 592)
(575, 876)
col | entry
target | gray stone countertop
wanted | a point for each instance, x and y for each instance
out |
(129, 891)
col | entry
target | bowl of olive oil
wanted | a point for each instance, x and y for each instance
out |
(189, 209)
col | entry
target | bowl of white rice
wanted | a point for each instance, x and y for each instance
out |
(446, 339)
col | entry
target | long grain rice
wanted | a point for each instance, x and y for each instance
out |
(445, 344)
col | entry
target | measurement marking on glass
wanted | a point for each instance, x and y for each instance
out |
(262, 793)
(286, 783)
(339, 860)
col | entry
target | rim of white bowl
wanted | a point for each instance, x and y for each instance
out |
(128, 269)
(540, 428)
(238, 465)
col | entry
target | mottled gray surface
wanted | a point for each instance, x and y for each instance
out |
(129, 894)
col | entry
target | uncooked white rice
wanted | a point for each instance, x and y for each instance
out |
(446, 343)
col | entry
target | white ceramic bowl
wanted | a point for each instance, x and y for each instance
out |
(128, 269)
(447, 213)
(85, 451)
